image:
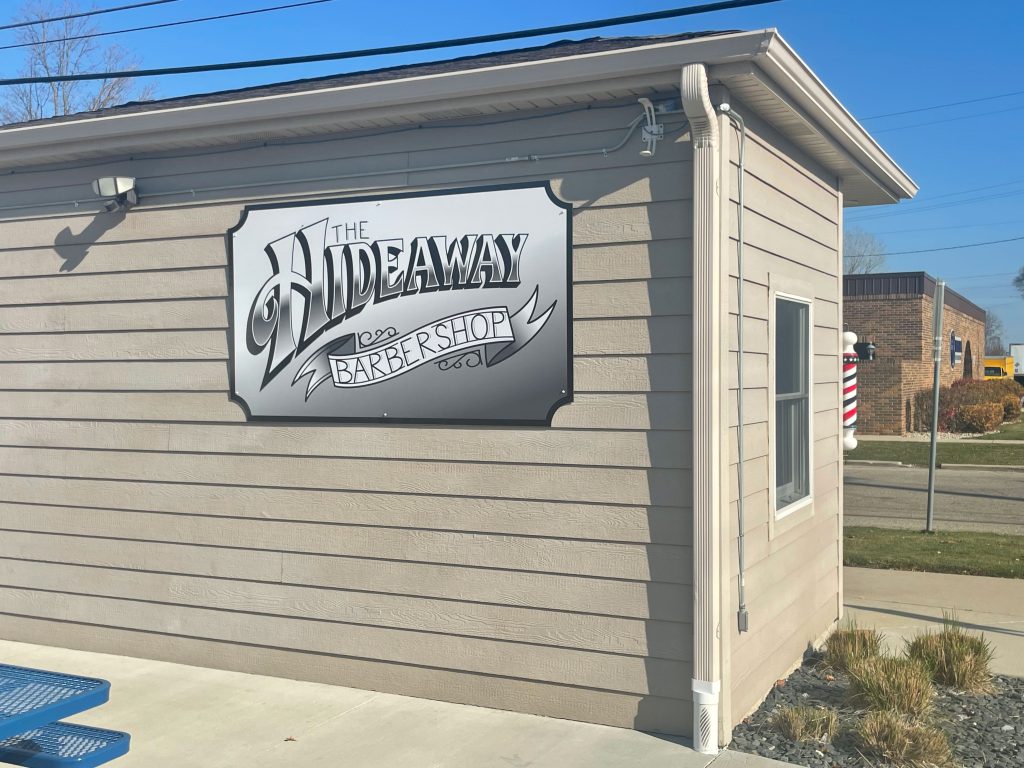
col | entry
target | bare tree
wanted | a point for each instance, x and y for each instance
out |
(863, 252)
(62, 48)
(1018, 282)
(994, 330)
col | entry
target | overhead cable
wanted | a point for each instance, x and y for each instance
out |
(164, 25)
(944, 106)
(975, 225)
(82, 14)
(949, 119)
(948, 247)
(904, 211)
(391, 49)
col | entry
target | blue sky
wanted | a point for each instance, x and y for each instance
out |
(877, 56)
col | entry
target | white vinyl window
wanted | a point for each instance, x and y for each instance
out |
(792, 402)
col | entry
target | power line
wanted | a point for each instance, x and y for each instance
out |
(949, 119)
(978, 277)
(949, 226)
(165, 24)
(33, 22)
(937, 206)
(943, 106)
(916, 205)
(951, 247)
(977, 189)
(391, 49)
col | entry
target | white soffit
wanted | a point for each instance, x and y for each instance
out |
(758, 67)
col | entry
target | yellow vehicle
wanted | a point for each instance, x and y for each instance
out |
(998, 368)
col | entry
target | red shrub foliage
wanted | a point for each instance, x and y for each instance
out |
(968, 392)
(983, 417)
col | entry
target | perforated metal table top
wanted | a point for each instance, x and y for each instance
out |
(64, 745)
(30, 698)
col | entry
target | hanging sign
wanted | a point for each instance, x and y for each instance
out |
(442, 307)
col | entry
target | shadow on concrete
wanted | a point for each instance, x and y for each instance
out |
(938, 620)
(938, 491)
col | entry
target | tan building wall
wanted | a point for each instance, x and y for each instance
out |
(540, 570)
(793, 574)
(900, 325)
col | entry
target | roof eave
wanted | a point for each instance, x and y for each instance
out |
(655, 64)
(385, 98)
(782, 64)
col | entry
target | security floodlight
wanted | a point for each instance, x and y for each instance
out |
(120, 188)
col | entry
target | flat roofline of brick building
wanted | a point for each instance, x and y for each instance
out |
(879, 284)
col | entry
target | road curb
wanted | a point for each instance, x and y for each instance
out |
(871, 462)
(986, 467)
(945, 465)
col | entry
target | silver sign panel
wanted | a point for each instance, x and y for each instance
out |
(449, 307)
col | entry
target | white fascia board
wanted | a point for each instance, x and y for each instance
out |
(389, 97)
(783, 66)
(658, 63)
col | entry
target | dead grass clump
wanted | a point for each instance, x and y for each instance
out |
(851, 644)
(893, 738)
(806, 723)
(955, 657)
(895, 684)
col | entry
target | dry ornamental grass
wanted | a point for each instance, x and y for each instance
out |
(954, 657)
(891, 684)
(850, 645)
(806, 723)
(902, 742)
(892, 714)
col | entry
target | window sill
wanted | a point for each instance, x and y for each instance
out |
(792, 507)
(790, 516)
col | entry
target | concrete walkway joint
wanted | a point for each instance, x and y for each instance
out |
(179, 715)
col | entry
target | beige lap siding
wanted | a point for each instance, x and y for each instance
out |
(541, 570)
(792, 565)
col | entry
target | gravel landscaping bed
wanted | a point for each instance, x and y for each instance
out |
(985, 730)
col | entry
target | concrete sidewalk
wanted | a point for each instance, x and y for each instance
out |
(903, 603)
(190, 716)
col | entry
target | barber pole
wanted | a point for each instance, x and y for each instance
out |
(850, 358)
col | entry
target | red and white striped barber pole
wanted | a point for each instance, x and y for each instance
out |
(850, 358)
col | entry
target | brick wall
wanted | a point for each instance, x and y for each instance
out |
(901, 328)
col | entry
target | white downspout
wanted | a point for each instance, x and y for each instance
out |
(708, 427)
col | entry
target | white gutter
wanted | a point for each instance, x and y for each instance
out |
(120, 132)
(413, 99)
(708, 382)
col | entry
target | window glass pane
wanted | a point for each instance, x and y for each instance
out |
(792, 402)
(792, 460)
(790, 347)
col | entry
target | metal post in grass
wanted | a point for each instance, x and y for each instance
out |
(940, 300)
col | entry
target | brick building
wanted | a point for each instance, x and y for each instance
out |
(894, 311)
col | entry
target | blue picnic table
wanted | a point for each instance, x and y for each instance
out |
(32, 703)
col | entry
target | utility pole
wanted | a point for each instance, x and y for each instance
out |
(940, 301)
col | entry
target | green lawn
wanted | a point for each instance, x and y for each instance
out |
(1013, 431)
(949, 452)
(977, 554)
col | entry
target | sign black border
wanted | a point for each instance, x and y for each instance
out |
(545, 422)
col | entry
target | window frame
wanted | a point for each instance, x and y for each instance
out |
(793, 506)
